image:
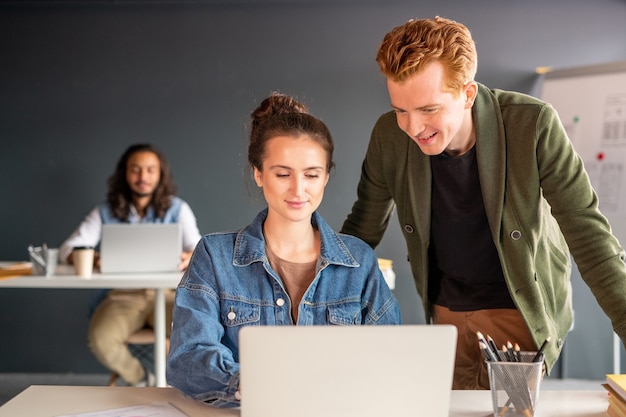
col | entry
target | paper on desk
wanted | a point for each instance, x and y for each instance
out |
(156, 409)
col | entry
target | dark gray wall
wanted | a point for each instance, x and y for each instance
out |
(80, 81)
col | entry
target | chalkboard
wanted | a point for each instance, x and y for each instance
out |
(591, 102)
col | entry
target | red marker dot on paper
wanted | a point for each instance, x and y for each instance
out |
(600, 156)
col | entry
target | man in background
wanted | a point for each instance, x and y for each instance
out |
(491, 198)
(141, 190)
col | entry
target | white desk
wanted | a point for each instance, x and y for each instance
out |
(46, 401)
(160, 282)
(549, 404)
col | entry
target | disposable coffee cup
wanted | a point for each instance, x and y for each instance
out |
(82, 256)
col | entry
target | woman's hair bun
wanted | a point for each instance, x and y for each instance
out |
(276, 104)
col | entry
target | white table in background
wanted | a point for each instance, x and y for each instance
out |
(65, 279)
(46, 401)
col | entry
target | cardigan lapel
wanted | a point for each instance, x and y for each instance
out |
(419, 178)
(491, 156)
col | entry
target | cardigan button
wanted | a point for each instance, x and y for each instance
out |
(516, 235)
(408, 228)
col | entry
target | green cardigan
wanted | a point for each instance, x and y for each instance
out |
(538, 200)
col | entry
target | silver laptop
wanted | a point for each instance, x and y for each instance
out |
(357, 371)
(140, 248)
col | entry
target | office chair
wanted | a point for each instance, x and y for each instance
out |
(141, 346)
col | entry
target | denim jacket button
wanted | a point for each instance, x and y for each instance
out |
(280, 302)
(232, 315)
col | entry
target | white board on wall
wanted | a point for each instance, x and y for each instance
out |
(591, 102)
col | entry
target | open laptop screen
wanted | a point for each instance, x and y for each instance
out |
(360, 371)
(140, 248)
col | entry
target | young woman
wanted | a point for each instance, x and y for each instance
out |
(287, 267)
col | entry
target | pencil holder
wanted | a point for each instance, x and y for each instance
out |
(515, 386)
(43, 260)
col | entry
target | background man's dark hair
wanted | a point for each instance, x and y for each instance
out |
(119, 195)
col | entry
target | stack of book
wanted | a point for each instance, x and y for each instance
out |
(616, 386)
(9, 269)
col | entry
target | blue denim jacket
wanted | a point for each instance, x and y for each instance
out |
(230, 284)
(170, 216)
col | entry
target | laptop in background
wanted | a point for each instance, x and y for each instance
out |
(356, 371)
(140, 248)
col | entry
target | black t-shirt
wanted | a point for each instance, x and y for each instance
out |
(466, 273)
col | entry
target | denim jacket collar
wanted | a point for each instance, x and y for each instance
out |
(250, 244)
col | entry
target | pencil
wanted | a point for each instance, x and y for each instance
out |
(537, 357)
(492, 354)
(493, 347)
(517, 353)
(481, 338)
(509, 351)
(487, 352)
